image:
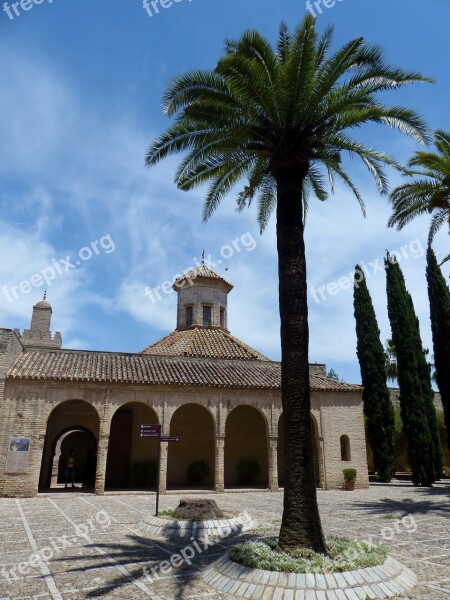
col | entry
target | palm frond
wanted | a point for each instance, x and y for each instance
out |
(430, 193)
(440, 217)
(264, 109)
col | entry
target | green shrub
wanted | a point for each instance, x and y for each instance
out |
(197, 472)
(143, 473)
(349, 474)
(248, 471)
(345, 555)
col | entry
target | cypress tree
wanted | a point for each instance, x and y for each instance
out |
(416, 395)
(378, 409)
(439, 296)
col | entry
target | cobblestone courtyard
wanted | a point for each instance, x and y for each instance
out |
(83, 552)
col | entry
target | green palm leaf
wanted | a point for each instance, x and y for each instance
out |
(429, 190)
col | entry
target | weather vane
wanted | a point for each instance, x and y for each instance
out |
(45, 294)
(203, 257)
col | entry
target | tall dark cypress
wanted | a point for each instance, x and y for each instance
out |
(439, 296)
(416, 395)
(378, 409)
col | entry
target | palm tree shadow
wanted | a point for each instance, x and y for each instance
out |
(141, 558)
(407, 506)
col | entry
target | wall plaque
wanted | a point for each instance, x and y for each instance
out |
(18, 457)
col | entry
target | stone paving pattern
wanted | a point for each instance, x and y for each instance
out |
(98, 561)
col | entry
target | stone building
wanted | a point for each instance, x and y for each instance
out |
(219, 396)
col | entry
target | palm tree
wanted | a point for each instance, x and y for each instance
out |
(280, 117)
(390, 354)
(430, 194)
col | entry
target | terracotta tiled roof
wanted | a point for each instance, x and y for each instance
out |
(203, 342)
(111, 367)
(204, 272)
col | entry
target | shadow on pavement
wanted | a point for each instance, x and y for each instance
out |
(140, 553)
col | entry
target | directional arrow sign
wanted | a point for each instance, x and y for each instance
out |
(150, 431)
(170, 439)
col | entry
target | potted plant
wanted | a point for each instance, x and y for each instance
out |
(349, 479)
(197, 472)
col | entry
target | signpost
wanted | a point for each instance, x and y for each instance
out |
(154, 431)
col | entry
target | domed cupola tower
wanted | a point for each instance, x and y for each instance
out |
(202, 321)
(202, 299)
(39, 335)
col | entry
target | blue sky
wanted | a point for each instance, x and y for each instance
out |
(80, 100)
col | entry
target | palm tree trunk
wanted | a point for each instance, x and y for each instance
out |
(301, 526)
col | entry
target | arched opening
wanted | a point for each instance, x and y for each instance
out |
(72, 425)
(280, 451)
(246, 448)
(131, 461)
(191, 461)
(345, 448)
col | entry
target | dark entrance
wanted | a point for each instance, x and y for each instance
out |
(72, 425)
(131, 459)
(119, 450)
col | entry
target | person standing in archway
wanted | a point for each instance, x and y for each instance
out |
(70, 469)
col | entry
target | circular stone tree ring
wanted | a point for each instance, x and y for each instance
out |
(388, 580)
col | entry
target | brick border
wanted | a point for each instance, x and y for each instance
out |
(181, 529)
(385, 581)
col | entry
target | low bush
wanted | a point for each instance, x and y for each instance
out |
(344, 555)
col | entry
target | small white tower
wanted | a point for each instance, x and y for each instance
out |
(202, 299)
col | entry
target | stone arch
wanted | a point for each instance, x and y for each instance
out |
(83, 441)
(346, 455)
(131, 460)
(212, 412)
(317, 450)
(64, 420)
(246, 439)
(195, 426)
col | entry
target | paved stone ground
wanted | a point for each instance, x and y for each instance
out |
(86, 553)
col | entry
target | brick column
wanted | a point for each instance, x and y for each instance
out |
(102, 456)
(273, 464)
(163, 472)
(40, 459)
(219, 480)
